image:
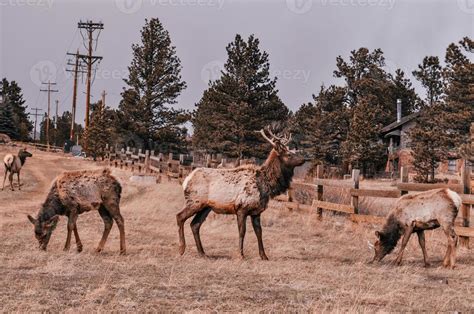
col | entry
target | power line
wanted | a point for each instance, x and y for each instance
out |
(49, 91)
(90, 27)
(36, 114)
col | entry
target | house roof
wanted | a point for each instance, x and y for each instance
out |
(397, 124)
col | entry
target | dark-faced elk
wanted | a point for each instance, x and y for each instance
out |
(13, 164)
(242, 191)
(417, 213)
(77, 192)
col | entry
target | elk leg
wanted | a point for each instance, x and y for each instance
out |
(4, 178)
(18, 177)
(257, 227)
(241, 222)
(406, 237)
(421, 241)
(196, 223)
(121, 225)
(181, 218)
(78, 240)
(70, 227)
(10, 178)
(450, 258)
(108, 222)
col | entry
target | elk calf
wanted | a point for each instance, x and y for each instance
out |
(417, 213)
(13, 164)
(74, 193)
(242, 191)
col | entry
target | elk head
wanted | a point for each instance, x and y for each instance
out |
(23, 154)
(290, 158)
(44, 229)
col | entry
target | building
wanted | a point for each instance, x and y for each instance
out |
(397, 139)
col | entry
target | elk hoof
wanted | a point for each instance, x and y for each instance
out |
(427, 265)
(98, 250)
(181, 249)
(66, 248)
(123, 252)
(79, 248)
(264, 257)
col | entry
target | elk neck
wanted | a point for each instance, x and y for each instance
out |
(52, 206)
(274, 177)
(392, 231)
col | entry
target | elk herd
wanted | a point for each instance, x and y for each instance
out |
(242, 191)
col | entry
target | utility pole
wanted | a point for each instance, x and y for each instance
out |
(56, 120)
(49, 90)
(36, 114)
(76, 71)
(89, 59)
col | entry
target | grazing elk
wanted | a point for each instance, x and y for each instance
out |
(13, 164)
(242, 191)
(74, 193)
(417, 213)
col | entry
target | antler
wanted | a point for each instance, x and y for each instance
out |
(278, 142)
(262, 131)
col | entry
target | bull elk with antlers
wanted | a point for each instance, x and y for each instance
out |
(242, 191)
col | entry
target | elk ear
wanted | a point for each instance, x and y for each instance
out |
(378, 234)
(32, 220)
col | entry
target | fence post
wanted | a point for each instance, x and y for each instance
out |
(146, 166)
(465, 208)
(355, 198)
(404, 178)
(320, 189)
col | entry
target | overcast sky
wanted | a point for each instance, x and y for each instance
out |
(302, 37)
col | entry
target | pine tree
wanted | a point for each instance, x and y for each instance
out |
(321, 127)
(7, 125)
(100, 131)
(428, 142)
(429, 74)
(363, 148)
(459, 102)
(154, 82)
(403, 89)
(243, 100)
(13, 94)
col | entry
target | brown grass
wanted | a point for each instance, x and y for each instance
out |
(314, 266)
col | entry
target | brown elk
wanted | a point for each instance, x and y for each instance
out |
(74, 193)
(242, 191)
(13, 164)
(417, 213)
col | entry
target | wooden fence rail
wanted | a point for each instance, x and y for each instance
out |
(319, 204)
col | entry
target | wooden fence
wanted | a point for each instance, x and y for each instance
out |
(173, 166)
(352, 210)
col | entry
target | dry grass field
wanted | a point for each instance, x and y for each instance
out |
(314, 265)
